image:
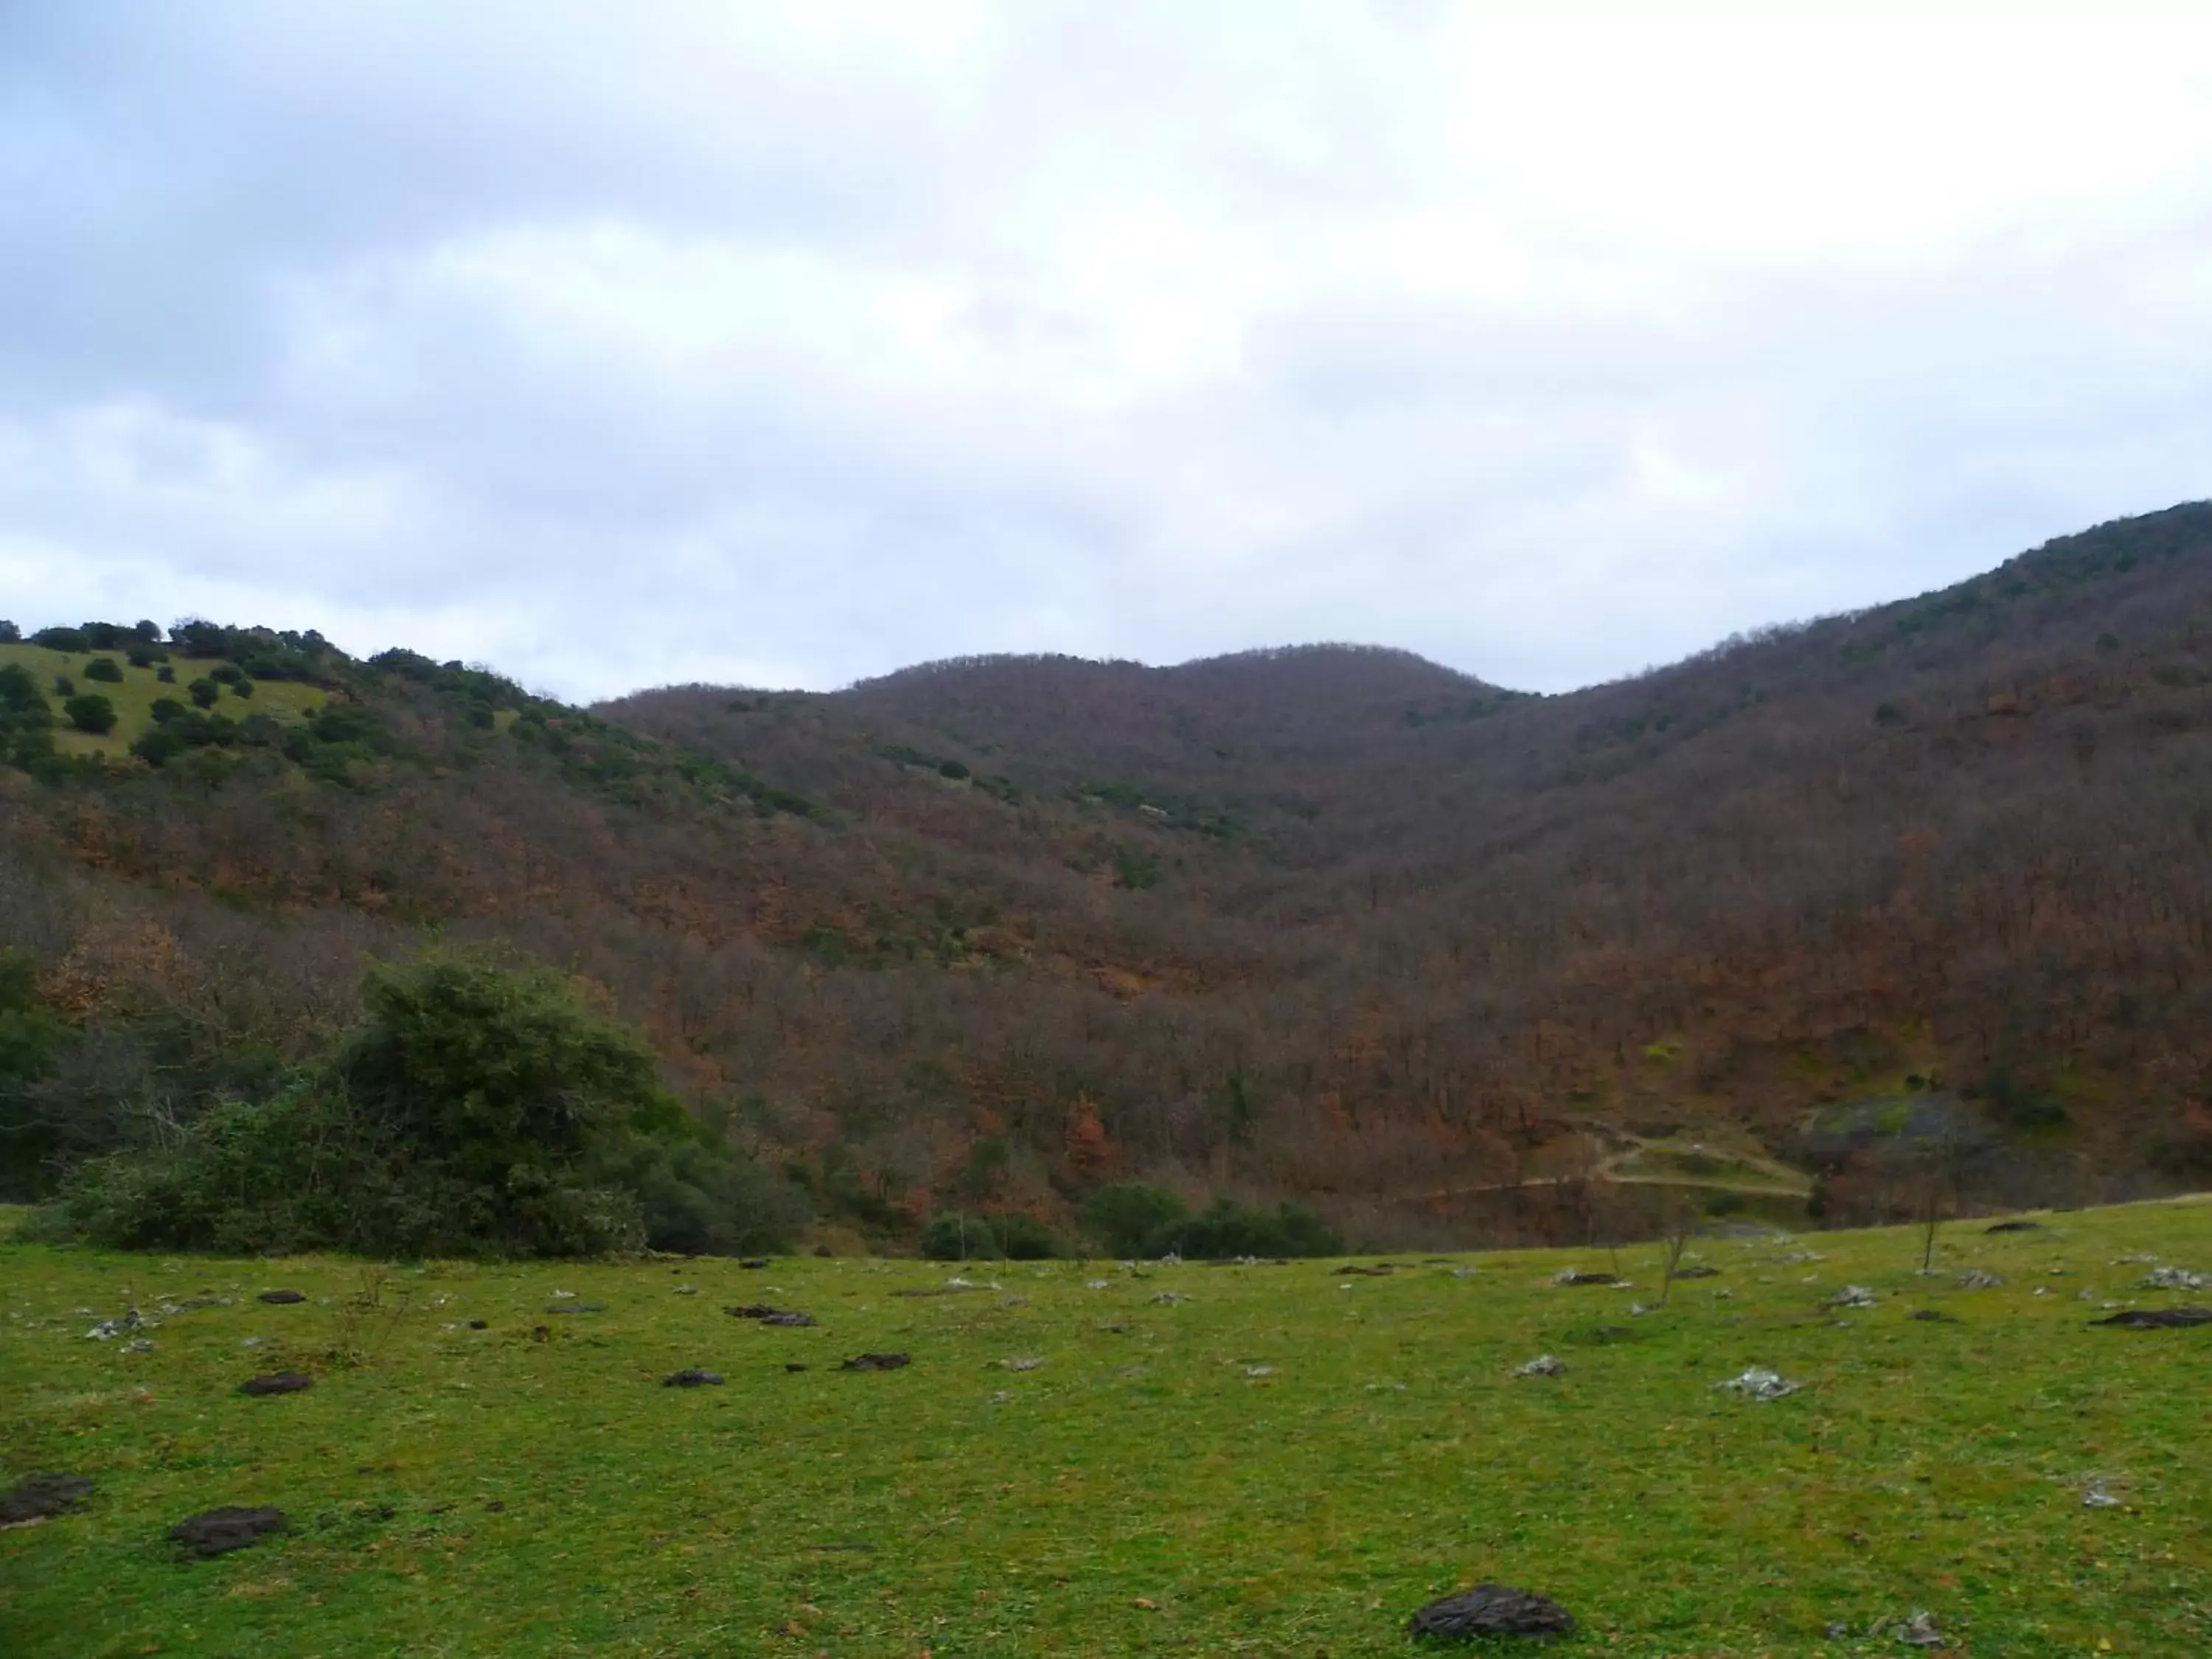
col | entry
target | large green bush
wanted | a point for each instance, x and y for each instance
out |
(90, 712)
(955, 1236)
(475, 1111)
(104, 669)
(1125, 1217)
(26, 721)
(1226, 1231)
(30, 1038)
(1024, 1238)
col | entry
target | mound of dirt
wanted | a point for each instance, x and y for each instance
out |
(692, 1378)
(1492, 1610)
(768, 1315)
(218, 1532)
(276, 1382)
(2158, 1319)
(283, 1298)
(875, 1362)
(41, 1496)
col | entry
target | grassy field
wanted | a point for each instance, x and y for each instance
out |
(1284, 1461)
(134, 698)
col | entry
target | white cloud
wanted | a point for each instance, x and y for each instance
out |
(795, 344)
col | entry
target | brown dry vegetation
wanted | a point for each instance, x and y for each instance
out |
(1331, 922)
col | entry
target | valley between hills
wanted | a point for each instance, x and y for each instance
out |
(1802, 927)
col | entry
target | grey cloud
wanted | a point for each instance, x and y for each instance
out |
(251, 361)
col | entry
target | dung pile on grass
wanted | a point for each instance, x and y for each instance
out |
(1492, 1610)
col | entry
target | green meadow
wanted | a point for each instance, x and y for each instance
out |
(134, 696)
(1096, 1458)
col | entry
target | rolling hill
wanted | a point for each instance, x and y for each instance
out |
(1450, 962)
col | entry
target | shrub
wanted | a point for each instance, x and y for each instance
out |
(145, 656)
(1227, 1230)
(166, 674)
(245, 1177)
(1024, 1238)
(1123, 1218)
(349, 722)
(9, 633)
(64, 686)
(165, 709)
(204, 692)
(71, 640)
(30, 1039)
(474, 1111)
(241, 688)
(226, 675)
(91, 713)
(697, 1197)
(953, 1236)
(27, 723)
(196, 637)
(158, 747)
(104, 670)
(20, 697)
(2020, 1104)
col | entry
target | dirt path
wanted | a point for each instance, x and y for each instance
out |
(1768, 1177)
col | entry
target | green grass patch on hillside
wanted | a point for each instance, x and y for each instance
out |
(1282, 1461)
(135, 694)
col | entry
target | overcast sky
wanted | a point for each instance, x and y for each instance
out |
(619, 343)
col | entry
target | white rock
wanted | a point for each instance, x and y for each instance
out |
(1757, 1382)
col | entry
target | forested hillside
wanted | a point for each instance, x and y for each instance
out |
(1330, 923)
